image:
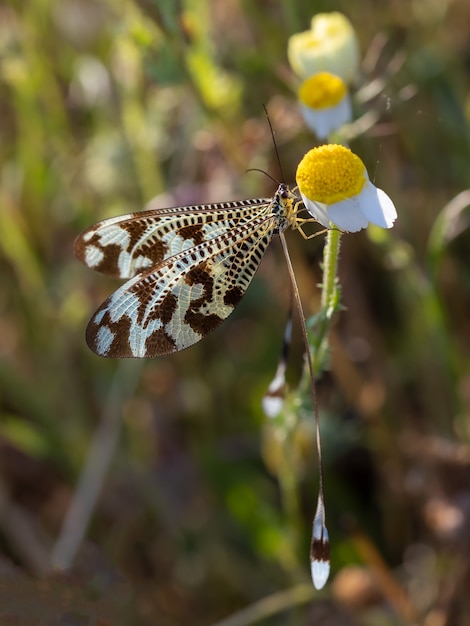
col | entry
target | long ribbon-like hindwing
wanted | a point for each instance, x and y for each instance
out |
(187, 268)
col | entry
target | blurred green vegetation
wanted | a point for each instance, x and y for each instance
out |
(107, 105)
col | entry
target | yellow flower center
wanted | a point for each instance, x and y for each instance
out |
(330, 173)
(322, 90)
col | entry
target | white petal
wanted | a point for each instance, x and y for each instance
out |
(344, 111)
(325, 121)
(318, 210)
(377, 206)
(347, 215)
(318, 120)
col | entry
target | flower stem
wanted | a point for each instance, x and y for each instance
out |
(330, 300)
(330, 266)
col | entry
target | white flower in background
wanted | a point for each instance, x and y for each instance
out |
(331, 45)
(337, 192)
(325, 103)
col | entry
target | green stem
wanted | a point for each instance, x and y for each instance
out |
(329, 300)
(330, 267)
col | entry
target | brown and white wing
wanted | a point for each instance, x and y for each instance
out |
(184, 297)
(126, 245)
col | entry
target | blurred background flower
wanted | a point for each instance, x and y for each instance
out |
(325, 103)
(331, 45)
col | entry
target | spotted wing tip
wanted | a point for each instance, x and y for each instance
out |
(320, 558)
(272, 404)
(320, 573)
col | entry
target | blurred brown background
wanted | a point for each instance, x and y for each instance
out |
(105, 105)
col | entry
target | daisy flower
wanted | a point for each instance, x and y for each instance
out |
(331, 45)
(325, 103)
(337, 192)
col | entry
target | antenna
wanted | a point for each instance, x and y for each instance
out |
(274, 142)
(257, 169)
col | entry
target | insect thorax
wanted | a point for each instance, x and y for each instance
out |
(284, 208)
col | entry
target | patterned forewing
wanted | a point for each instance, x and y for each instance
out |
(126, 245)
(183, 298)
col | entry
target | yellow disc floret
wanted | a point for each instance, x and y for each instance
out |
(322, 90)
(330, 173)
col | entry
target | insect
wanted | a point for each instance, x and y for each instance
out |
(187, 269)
